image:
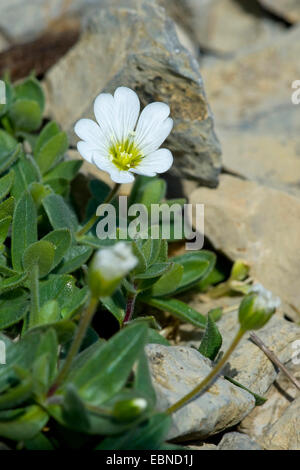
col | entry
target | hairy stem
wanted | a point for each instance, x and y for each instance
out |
(34, 296)
(129, 308)
(90, 223)
(210, 377)
(75, 346)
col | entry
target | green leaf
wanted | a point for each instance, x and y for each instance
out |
(12, 282)
(8, 144)
(49, 131)
(154, 271)
(7, 208)
(26, 172)
(61, 239)
(117, 356)
(64, 330)
(45, 364)
(59, 213)
(40, 253)
(196, 266)
(259, 400)
(16, 395)
(21, 354)
(142, 264)
(38, 442)
(4, 227)
(78, 300)
(26, 115)
(65, 170)
(22, 423)
(30, 88)
(74, 412)
(24, 229)
(211, 341)
(13, 307)
(52, 151)
(179, 309)
(99, 190)
(49, 313)
(38, 191)
(168, 282)
(116, 304)
(74, 259)
(142, 380)
(162, 253)
(9, 92)
(152, 192)
(6, 184)
(147, 436)
(155, 337)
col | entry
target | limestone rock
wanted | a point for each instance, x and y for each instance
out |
(25, 19)
(279, 397)
(177, 370)
(223, 26)
(287, 9)
(258, 224)
(135, 45)
(248, 364)
(255, 118)
(285, 433)
(237, 441)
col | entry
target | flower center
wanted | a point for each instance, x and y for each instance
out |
(125, 155)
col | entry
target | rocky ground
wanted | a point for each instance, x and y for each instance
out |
(226, 68)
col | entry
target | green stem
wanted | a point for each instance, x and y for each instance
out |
(90, 223)
(75, 346)
(34, 296)
(210, 377)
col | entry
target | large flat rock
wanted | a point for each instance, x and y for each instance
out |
(176, 370)
(256, 120)
(135, 45)
(260, 225)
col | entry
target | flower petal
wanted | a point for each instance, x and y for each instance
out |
(153, 127)
(156, 162)
(127, 108)
(90, 132)
(117, 115)
(119, 176)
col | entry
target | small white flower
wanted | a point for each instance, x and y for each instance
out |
(114, 262)
(120, 143)
(266, 298)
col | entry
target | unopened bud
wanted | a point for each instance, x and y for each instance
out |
(257, 308)
(128, 410)
(108, 267)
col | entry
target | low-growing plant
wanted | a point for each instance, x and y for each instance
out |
(62, 384)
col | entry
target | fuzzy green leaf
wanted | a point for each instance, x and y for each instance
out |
(24, 229)
(211, 341)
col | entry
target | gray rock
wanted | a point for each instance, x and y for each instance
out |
(287, 9)
(176, 371)
(260, 225)
(24, 20)
(255, 117)
(279, 397)
(223, 26)
(136, 45)
(237, 441)
(248, 364)
(285, 433)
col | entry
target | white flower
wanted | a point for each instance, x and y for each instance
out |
(114, 262)
(120, 143)
(266, 298)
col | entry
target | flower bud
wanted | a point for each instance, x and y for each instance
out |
(257, 308)
(108, 267)
(128, 410)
